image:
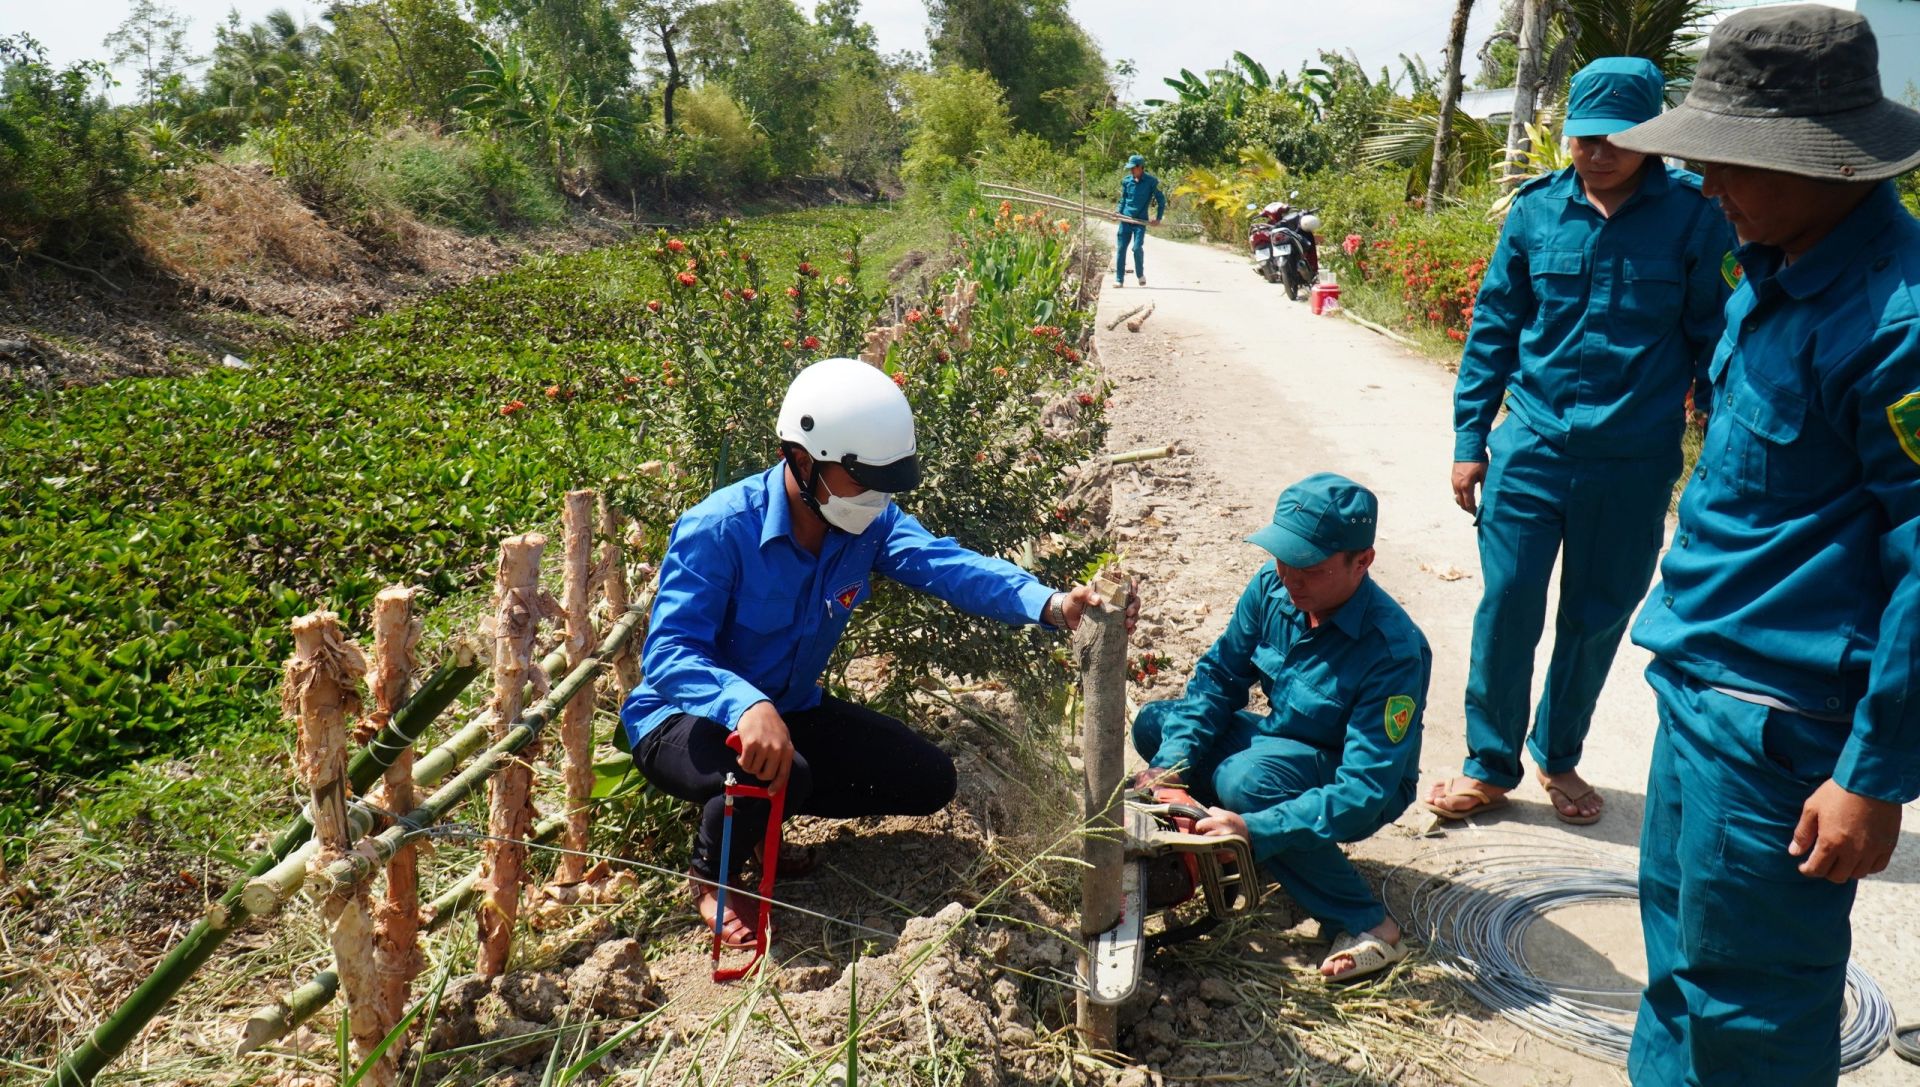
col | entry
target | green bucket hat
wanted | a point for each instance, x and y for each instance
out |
(1317, 517)
(1794, 88)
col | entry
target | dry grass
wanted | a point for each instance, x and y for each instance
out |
(239, 221)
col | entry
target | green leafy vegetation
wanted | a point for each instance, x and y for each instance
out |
(166, 530)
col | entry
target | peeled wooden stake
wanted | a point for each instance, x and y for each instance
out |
(518, 606)
(576, 721)
(321, 691)
(1100, 646)
(396, 633)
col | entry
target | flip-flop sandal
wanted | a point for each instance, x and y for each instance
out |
(1486, 802)
(795, 860)
(737, 934)
(1370, 954)
(1558, 796)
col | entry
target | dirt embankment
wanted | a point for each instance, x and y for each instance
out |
(239, 263)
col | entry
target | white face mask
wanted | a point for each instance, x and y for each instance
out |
(853, 515)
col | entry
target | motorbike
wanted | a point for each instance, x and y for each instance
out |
(1285, 247)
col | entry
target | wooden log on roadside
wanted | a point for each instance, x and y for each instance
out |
(1115, 323)
(1100, 646)
(514, 626)
(396, 937)
(576, 721)
(1135, 324)
(321, 691)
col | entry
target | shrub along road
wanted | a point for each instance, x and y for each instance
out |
(1258, 392)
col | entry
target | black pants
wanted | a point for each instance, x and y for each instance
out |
(847, 761)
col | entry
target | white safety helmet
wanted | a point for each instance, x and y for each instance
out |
(845, 412)
(1310, 223)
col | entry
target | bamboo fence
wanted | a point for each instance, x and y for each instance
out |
(347, 834)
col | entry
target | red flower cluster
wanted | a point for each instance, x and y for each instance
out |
(749, 293)
(914, 316)
(1351, 244)
(900, 378)
(654, 305)
(512, 406)
(675, 245)
(1086, 400)
(1434, 286)
(808, 270)
(810, 342)
(1045, 332)
(688, 279)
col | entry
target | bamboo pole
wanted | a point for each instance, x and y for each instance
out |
(1134, 456)
(396, 943)
(626, 667)
(271, 1022)
(321, 691)
(576, 722)
(1101, 648)
(1002, 191)
(515, 625)
(267, 892)
(118, 1030)
(374, 851)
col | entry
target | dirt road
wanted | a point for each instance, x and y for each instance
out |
(1258, 393)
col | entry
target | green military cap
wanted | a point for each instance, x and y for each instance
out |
(1317, 517)
(1136, 160)
(1613, 94)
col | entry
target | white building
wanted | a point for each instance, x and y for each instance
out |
(1896, 25)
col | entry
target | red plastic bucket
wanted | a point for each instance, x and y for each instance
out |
(1324, 298)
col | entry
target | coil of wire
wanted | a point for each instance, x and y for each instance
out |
(1475, 911)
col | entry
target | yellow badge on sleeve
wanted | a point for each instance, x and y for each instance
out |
(1399, 717)
(1904, 414)
(1731, 271)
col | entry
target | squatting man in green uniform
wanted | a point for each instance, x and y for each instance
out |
(1337, 756)
(1786, 627)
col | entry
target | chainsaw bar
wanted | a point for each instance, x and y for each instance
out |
(1119, 951)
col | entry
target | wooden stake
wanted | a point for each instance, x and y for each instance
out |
(515, 623)
(626, 667)
(1100, 645)
(321, 692)
(396, 632)
(576, 721)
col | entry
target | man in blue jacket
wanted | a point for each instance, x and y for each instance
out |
(1786, 627)
(758, 583)
(1599, 310)
(1139, 190)
(1337, 756)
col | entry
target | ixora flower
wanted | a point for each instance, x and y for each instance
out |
(793, 292)
(676, 245)
(914, 316)
(653, 304)
(749, 293)
(1351, 244)
(900, 378)
(810, 342)
(688, 279)
(808, 270)
(512, 406)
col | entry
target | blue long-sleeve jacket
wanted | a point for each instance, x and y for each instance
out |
(1795, 569)
(1592, 329)
(744, 614)
(1354, 687)
(1135, 196)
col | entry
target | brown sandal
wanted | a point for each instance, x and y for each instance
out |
(736, 933)
(1558, 796)
(1484, 801)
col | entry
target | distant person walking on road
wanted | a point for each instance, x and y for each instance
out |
(1786, 628)
(1138, 190)
(1599, 310)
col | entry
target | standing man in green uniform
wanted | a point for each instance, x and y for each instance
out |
(1786, 628)
(1598, 312)
(1139, 191)
(1337, 756)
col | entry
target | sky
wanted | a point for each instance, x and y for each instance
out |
(1160, 37)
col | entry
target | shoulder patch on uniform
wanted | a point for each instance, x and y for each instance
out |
(1731, 271)
(1904, 415)
(1399, 716)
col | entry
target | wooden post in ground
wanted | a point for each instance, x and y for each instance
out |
(626, 667)
(515, 623)
(396, 938)
(576, 721)
(1100, 646)
(320, 693)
